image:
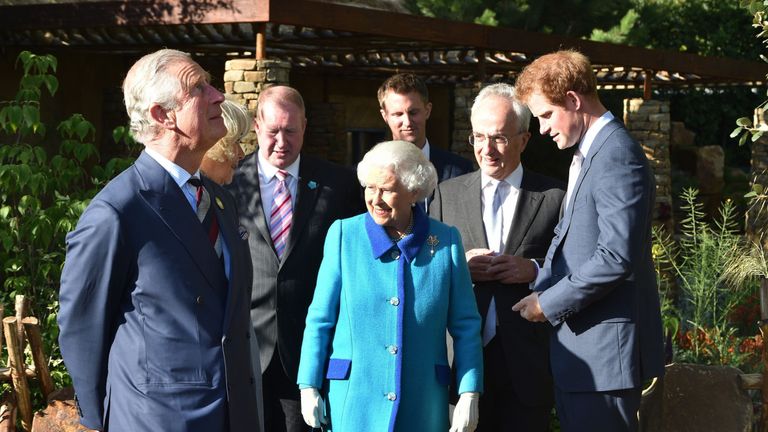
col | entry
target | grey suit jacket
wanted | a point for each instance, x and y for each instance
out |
(283, 288)
(526, 345)
(598, 282)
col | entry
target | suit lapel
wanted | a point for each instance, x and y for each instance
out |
(247, 178)
(597, 144)
(471, 208)
(232, 241)
(167, 200)
(306, 196)
(528, 204)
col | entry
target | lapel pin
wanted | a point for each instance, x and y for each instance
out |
(219, 203)
(432, 241)
(312, 185)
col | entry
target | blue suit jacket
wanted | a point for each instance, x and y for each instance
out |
(447, 164)
(598, 281)
(153, 333)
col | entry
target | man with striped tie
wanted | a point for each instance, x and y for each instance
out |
(154, 318)
(286, 201)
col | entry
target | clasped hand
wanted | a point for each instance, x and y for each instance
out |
(486, 265)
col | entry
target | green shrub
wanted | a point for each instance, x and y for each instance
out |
(42, 194)
(698, 300)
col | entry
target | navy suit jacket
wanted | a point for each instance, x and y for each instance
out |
(447, 164)
(598, 285)
(526, 345)
(153, 333)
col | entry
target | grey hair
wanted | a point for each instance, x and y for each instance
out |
(148, 82)
(506, 91)
(407, 162)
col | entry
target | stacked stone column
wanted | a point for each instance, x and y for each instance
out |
(757, 216)
(649, 123)
(463, 96)
(244, 79)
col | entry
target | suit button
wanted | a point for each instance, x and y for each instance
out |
(395, 254)
(247, 335)
(392, 349)
(391, 396)
(253, 380)
(394, 301)
(199, 300)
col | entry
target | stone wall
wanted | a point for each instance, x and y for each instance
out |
(464, 94)
(649, 123)
(244, 79)
(757, 220)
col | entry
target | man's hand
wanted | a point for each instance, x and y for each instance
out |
(478, 261)
(510, 269)
(530, 308)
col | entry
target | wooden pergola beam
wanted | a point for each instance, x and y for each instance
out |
(397, 27)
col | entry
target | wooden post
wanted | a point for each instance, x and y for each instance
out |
(22, 310)
(18, 375)
(8, 412)
(2, 312)
(32, 327)
(261, 41)
(647, 87)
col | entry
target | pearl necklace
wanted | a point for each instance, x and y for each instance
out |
(408, 230)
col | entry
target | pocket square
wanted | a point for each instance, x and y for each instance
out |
(242, 232)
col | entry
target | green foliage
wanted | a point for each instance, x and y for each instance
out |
(701, 317)
(567, 17)
(42, 195)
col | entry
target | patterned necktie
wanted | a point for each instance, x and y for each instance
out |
(282, 213)
(573, 174)
(205, 215)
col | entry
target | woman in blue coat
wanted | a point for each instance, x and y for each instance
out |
(391, 282)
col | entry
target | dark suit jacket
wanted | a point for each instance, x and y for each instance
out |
(598, 282)
(152, 332)
(283, 289)
(447, 164)
(458, 202)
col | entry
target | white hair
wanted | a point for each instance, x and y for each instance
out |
(149, 82)
(506, 91)
(407, 162)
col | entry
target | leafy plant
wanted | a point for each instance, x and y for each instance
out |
(701, 313)
(42, 194)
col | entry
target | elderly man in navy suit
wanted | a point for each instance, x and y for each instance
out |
(405, 107)
(598, 286)
(155, 289)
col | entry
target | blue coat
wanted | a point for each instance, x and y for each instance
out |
(152, 330)
(375, 332)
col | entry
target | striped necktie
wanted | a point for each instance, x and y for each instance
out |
(205, 215)
(282, 213)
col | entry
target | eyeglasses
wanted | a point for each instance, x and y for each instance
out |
(477, 139)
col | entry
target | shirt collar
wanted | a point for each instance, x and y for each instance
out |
(179, 174)
(425, 149)
(592, 132)
(408, 246)
(515, 178)
(268, 171)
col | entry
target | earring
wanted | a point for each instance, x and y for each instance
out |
(413, 204)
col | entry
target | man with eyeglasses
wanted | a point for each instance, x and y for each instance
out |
(519, 210)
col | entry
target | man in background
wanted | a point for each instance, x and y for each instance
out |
(286, 201)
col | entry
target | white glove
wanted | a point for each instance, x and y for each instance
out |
(467, 413)
(312, 407)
